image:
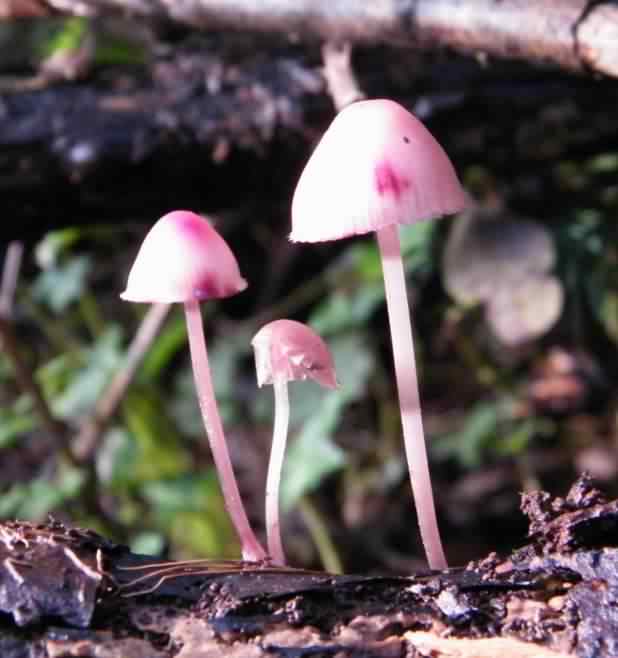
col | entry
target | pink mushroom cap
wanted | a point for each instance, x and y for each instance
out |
(375, 166)
(293, 351)
(183, 258)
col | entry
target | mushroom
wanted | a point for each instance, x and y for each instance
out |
(285, 351)
(183, 259)
(495, 258)
(376, 167)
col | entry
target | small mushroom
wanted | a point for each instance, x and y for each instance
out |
(183, 259)
(285, 351)
(502, 261)
(376, 167)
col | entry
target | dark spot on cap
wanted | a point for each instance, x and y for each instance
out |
(406, 139)
(387, 181)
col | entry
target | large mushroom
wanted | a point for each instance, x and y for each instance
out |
(183, 259)
(377, 167)
(286, 350)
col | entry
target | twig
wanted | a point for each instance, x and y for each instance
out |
(94, 426)
(10, 346)
(10, 274)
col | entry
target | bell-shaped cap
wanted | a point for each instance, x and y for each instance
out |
(183, 258)
(375, 166)
(291, 350)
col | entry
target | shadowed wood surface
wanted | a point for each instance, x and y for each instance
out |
(69, 592)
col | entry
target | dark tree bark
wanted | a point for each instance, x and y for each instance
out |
(230, 126)
(198, 129)
(579, 35)
(69, 592)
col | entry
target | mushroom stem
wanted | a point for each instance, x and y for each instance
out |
(409, 399)
(275, 465)
(250, 546)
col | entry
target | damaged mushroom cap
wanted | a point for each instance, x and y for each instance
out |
(376, 166)
(293, 351)
(183, 258)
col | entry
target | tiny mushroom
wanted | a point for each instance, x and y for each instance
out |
(183, 259)
(376, 167)
(286, 350)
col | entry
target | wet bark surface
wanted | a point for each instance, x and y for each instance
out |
(69, 592)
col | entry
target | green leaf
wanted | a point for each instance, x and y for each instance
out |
(148, 543)
(191, 510)
(603, 163)
(86, 386)
(354, 363)
(602, 289)
(112, 50)
(184, 407)
(14, 425)
(171, 340)
(56, 243)
(224, 356)
(608, 313)
(36, 499)
(196, 534)
(61, 285)
(364, 259)
(55, 375)
(344, 310)
(416, 245)
(358, 283)
(516, 441)
(189, 493)
(159, 450)
(313, 455)
(116, 457)
(68, 36)
(467, 444)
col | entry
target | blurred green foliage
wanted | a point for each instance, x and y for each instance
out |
(151, 471)
(150, 482)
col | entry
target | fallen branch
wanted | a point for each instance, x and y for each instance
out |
(576, 35)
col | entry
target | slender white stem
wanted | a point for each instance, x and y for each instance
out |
(275, 465)
(409, 399)
(250, 546)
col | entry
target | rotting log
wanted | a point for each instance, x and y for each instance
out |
(229, 127)
(70, 592)
(576, 35)
(197, 129)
